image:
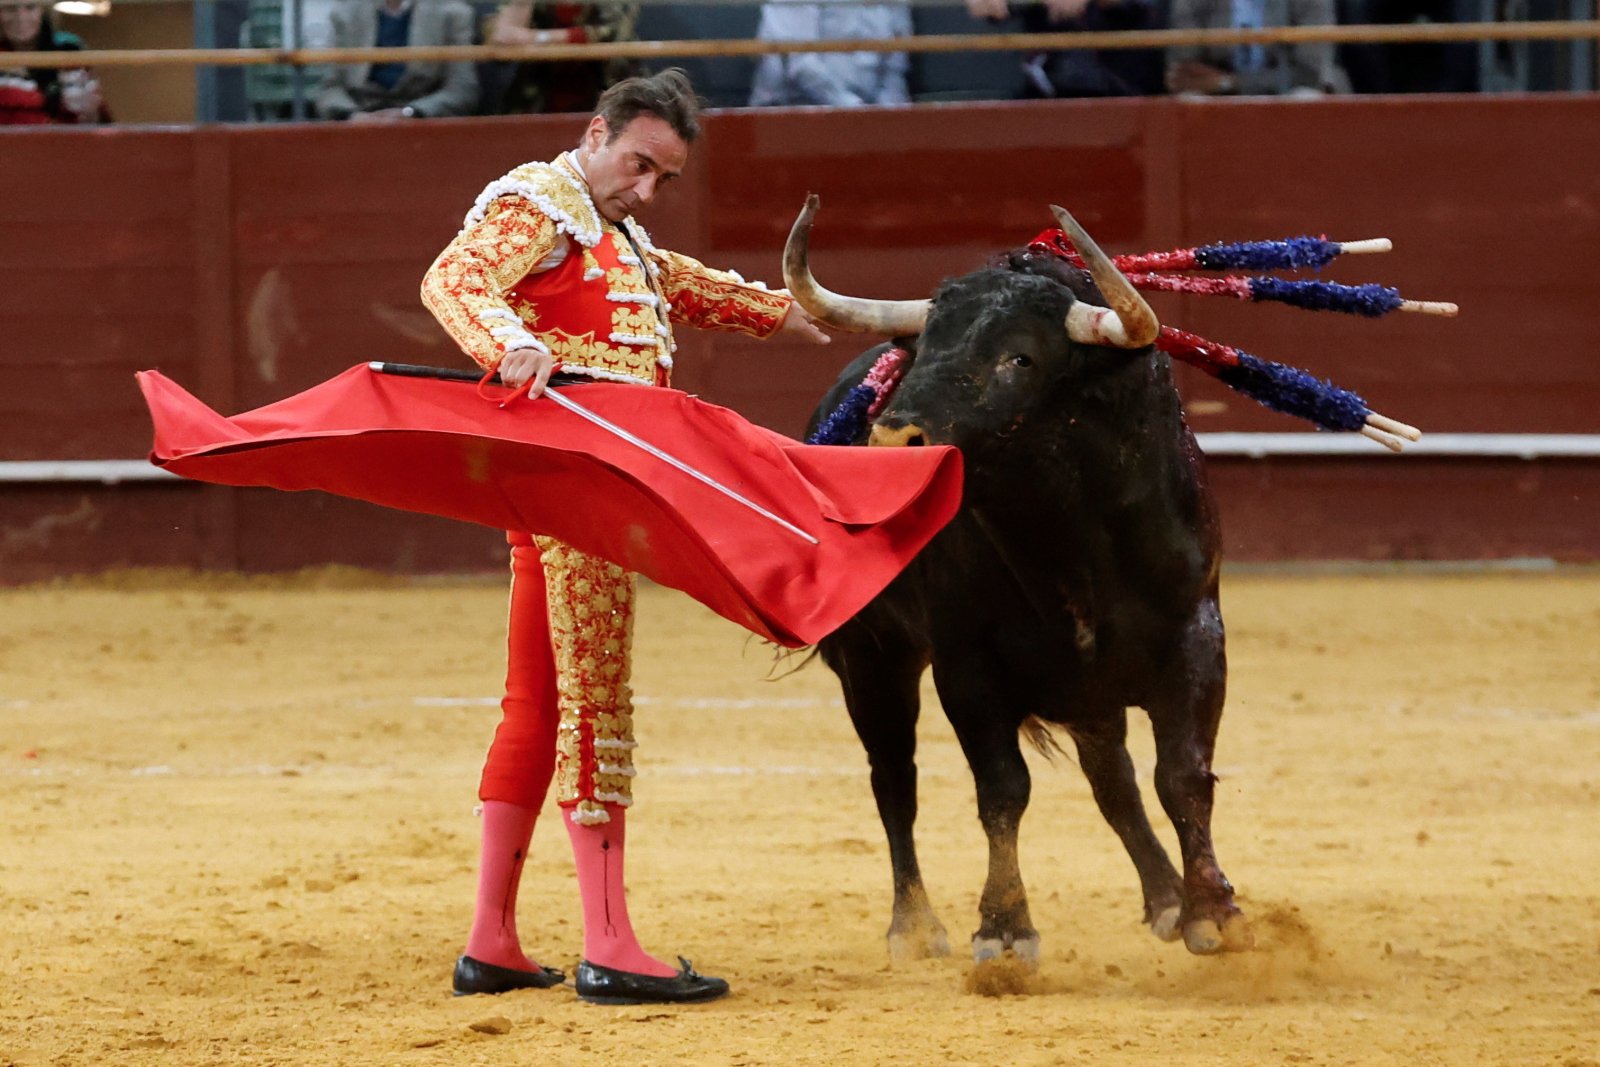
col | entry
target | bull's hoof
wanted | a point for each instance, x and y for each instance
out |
(1024, 949)
(1165, 925)
(1205, 937)
(928, 943)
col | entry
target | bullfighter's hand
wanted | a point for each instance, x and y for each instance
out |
(526, 364)
(799, 324)
(987, 9)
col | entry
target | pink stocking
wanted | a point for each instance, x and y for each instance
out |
(507, 829)
(521, 760)
(608, 938)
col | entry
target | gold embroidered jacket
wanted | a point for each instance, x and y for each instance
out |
(536, 266)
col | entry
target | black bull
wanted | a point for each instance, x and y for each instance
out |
(1078, 579)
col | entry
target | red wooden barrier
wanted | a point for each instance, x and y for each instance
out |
(249, 262)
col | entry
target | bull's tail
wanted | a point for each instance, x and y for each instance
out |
(787, 661)
(1038, 733)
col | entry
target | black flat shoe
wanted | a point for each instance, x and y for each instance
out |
(473, 976)
(602, 985)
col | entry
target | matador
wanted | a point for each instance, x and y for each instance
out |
(550, 268)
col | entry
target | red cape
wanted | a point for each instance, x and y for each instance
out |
(437, 447)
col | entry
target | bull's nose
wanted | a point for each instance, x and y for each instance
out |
(908, 436)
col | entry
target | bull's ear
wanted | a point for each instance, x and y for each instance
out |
(909, 343)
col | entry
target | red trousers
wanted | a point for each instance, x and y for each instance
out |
(567, 706)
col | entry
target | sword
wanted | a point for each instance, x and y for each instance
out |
(413, 370)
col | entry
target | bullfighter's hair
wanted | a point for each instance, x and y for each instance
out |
(667, 94)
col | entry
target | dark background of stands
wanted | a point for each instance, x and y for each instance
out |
(725, 82)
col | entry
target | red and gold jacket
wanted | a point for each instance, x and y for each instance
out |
(536, 266)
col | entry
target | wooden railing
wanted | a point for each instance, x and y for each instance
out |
(1013, 42)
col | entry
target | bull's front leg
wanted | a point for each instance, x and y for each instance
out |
(1101, 741)
(881, 680)
(989, 739)
(1185, 721)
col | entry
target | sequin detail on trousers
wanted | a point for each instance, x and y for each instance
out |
(591, 631)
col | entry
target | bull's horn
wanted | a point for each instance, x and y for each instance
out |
(1129, 323)
(893, 318)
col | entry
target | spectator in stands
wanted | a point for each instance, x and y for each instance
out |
(399, 90)
(1104, 72)
(834, 79)
(567, 85)
(1442, 67)
(43, 95)
(1308, 69)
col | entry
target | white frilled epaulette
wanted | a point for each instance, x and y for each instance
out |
(557, 193)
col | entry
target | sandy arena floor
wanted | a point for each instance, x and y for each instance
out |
(238, 829)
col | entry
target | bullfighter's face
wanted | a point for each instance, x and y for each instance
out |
(626, 168)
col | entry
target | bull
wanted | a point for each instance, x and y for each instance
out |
(1078, 579)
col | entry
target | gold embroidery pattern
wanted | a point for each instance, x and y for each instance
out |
(591, 630)
(518, 220)
(639, 319)
(554, 190)
(636, 320)
(647, 279)
(586, 351)
(473, 273)
(526, 310)
(600, 347)
(717, 300)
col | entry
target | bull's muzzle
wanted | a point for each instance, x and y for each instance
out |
(907, 436)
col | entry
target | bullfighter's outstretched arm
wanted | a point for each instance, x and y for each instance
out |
(711, 299)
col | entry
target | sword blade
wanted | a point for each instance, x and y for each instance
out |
(666, 457)
(450, 374)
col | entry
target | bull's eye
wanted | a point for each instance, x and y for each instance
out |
(1021, 359)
